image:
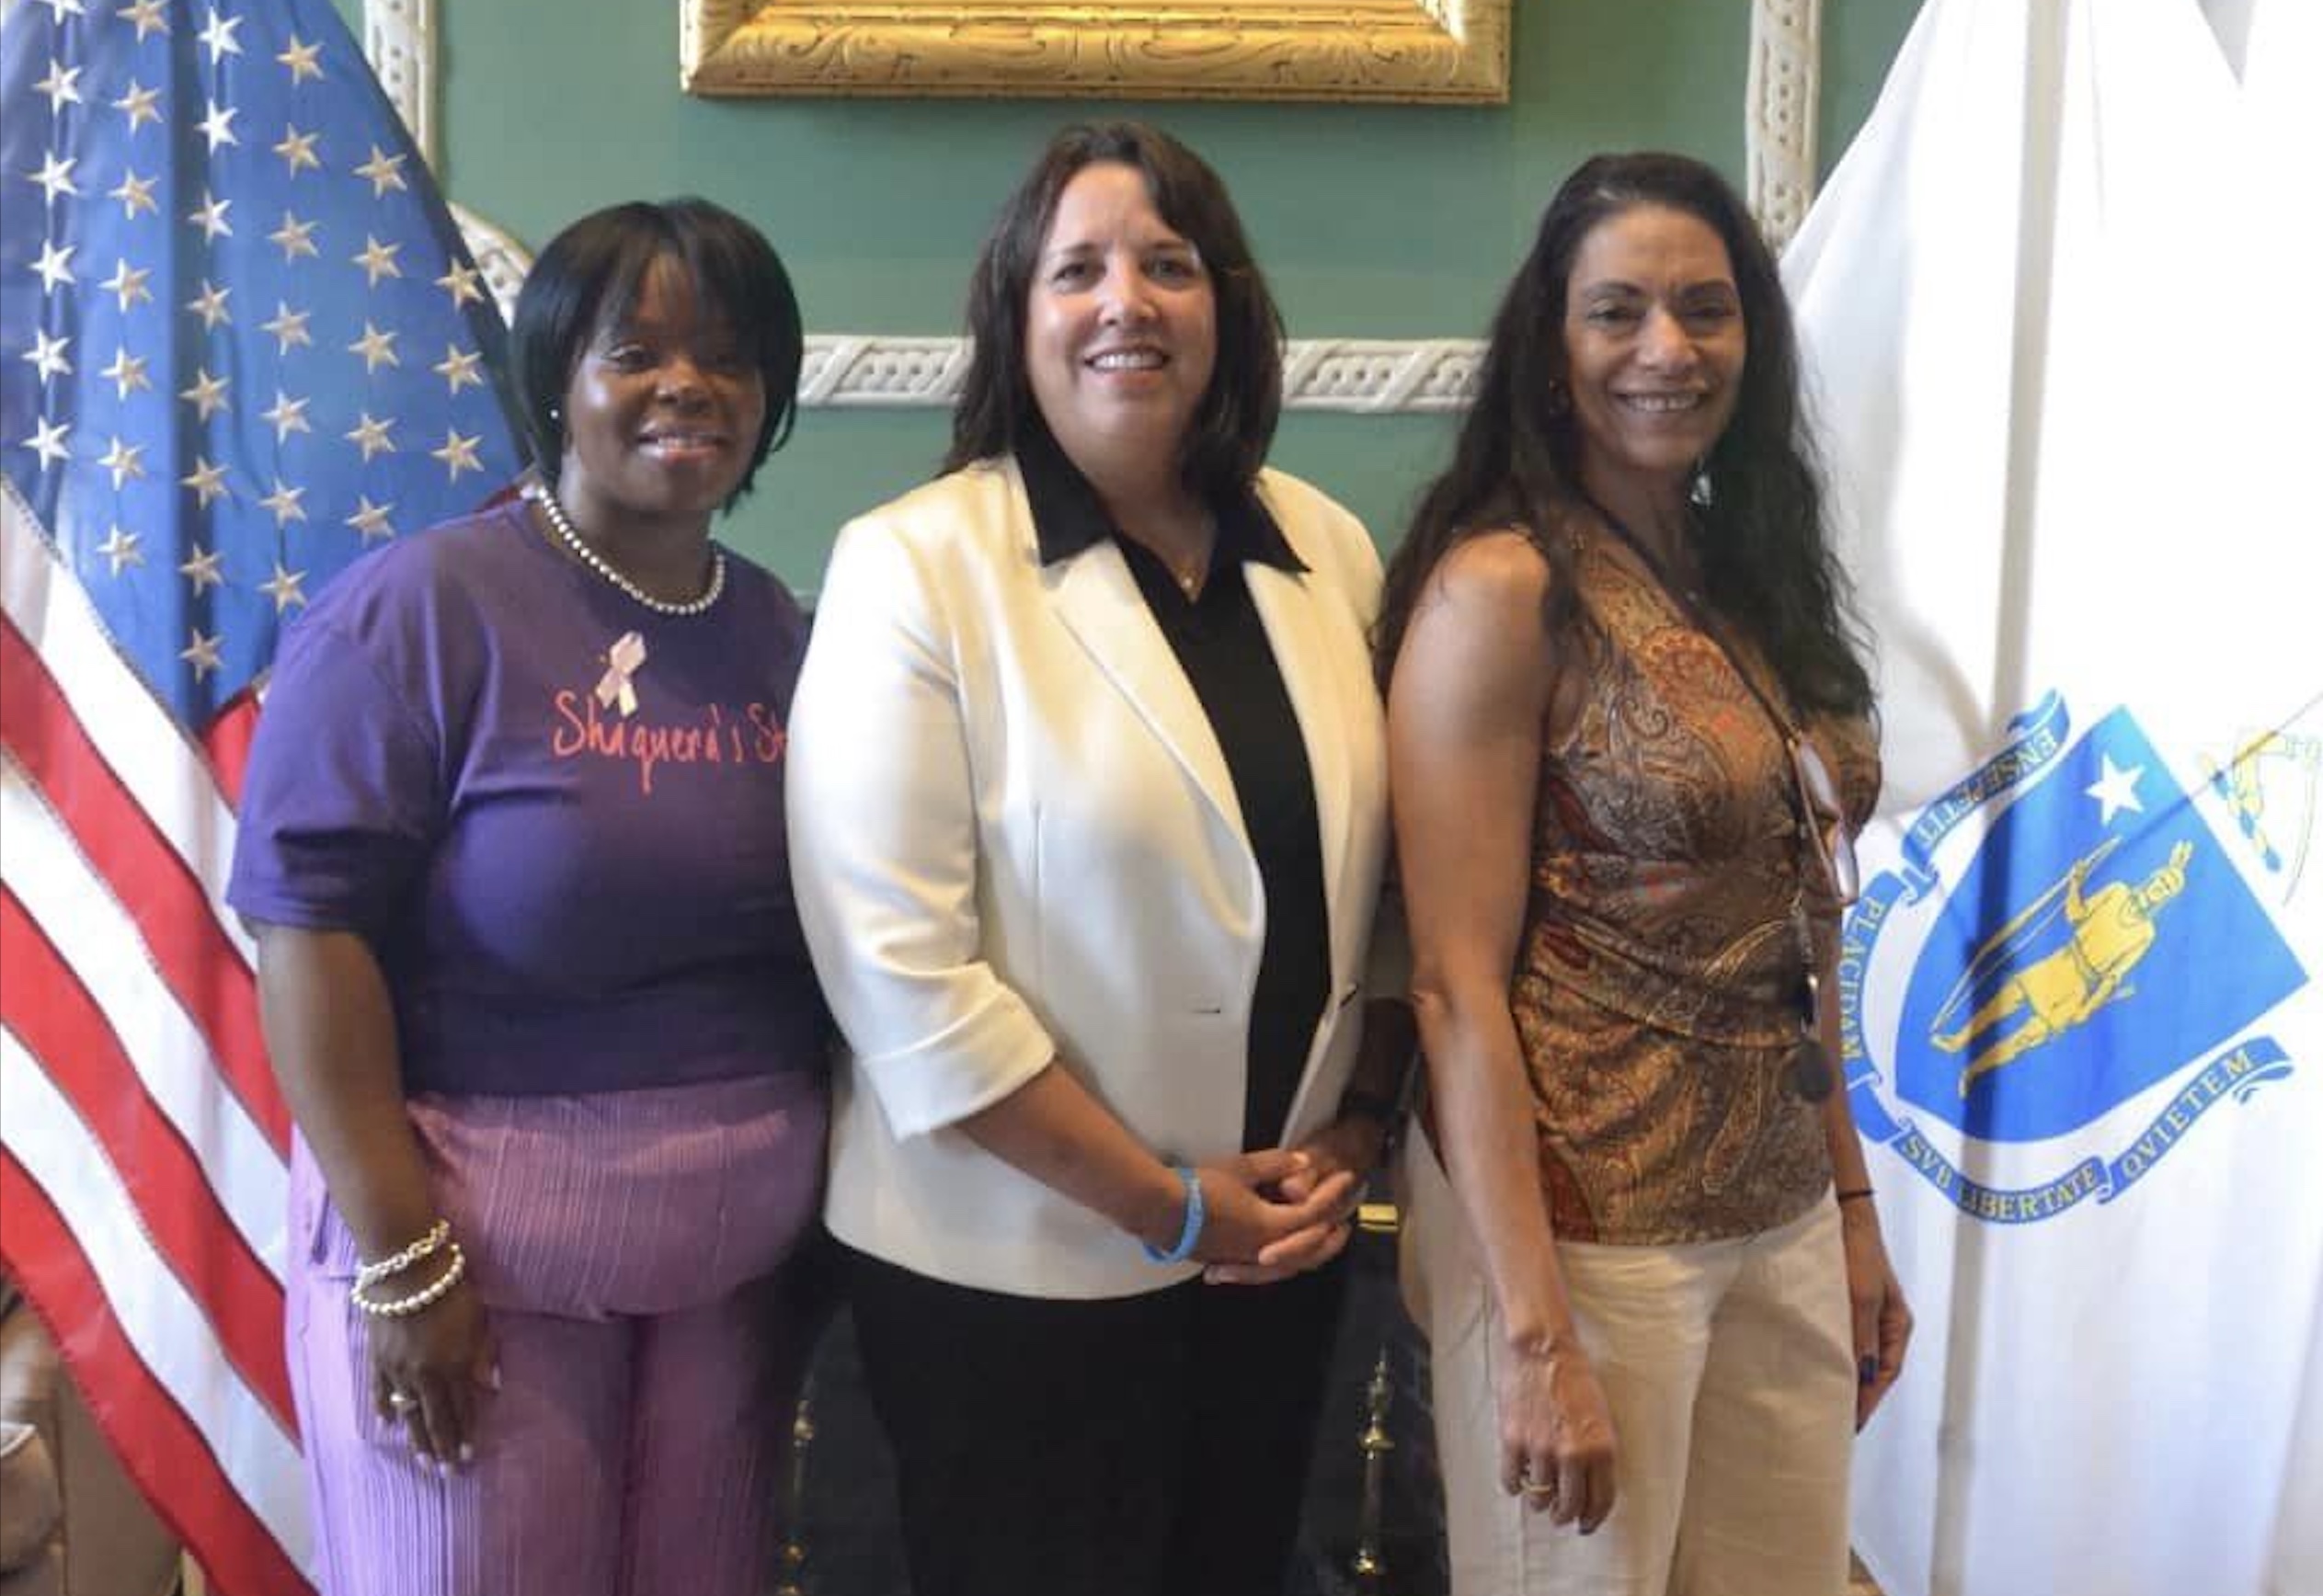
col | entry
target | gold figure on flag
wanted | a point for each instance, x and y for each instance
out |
(2279, 771)
(2107, 932)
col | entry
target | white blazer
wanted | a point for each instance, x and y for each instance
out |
(1014, 838)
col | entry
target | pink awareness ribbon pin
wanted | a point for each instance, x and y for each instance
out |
(622, 660)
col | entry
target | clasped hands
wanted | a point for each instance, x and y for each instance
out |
(1283, 1211)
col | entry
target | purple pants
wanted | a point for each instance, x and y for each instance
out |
(627, 1247)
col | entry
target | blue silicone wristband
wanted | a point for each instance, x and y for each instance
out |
(1197, 1214)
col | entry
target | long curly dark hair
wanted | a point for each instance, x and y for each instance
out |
(1758, 533)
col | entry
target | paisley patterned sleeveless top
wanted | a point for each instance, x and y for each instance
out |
(1656, 990)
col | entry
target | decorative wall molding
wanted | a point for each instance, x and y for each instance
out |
(864, 371)
(1356, 376)
(1784, 100)
(400, 38)
(1237, 50)
(501, 258)
(1380, 376)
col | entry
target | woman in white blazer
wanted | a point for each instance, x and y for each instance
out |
(1087, 807)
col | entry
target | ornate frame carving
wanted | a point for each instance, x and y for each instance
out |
(1276, 50)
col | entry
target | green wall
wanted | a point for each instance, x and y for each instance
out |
(1395, 221)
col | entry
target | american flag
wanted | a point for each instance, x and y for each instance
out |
(240, 344)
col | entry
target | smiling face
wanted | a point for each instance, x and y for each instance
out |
(1120, 325)
(1654, 344)
(662, 412)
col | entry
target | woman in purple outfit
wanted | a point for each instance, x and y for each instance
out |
(513, 845)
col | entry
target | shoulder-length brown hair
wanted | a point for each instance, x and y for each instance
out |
(1228, 439)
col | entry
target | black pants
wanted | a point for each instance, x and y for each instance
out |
(1154, 1445)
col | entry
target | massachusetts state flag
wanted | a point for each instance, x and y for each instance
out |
(240, 344)
(2070, 402)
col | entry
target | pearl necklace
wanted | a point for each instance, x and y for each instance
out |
(538, 491)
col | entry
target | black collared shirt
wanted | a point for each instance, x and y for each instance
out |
(1221, 643)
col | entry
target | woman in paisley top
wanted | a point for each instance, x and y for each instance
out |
(1640, 1236)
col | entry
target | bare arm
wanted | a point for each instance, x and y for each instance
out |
(1470, 692)
(330, 1030)
(1882, 1318)
(1849, 1172)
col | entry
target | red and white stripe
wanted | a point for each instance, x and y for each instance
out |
(143, 1141)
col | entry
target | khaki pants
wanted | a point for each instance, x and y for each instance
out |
(1729, 1371)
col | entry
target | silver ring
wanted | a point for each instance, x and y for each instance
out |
(402, 1401)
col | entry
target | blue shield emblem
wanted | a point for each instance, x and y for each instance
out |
(2101, 939)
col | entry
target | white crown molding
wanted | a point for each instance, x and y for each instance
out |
(1380, 376)
(874, 371)
(1356, 376)
(1353, 376)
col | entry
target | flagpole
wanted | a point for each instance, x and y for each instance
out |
(2048, 26)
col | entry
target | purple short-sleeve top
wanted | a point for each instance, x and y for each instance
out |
(555, 814)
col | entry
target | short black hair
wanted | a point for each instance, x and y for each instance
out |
(589, 275)
(1233, 427)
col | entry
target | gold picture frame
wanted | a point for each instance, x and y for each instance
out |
(1418, 50)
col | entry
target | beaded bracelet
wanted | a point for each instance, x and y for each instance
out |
(370, 1274)
(426, 1296)
(1197, 1214)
